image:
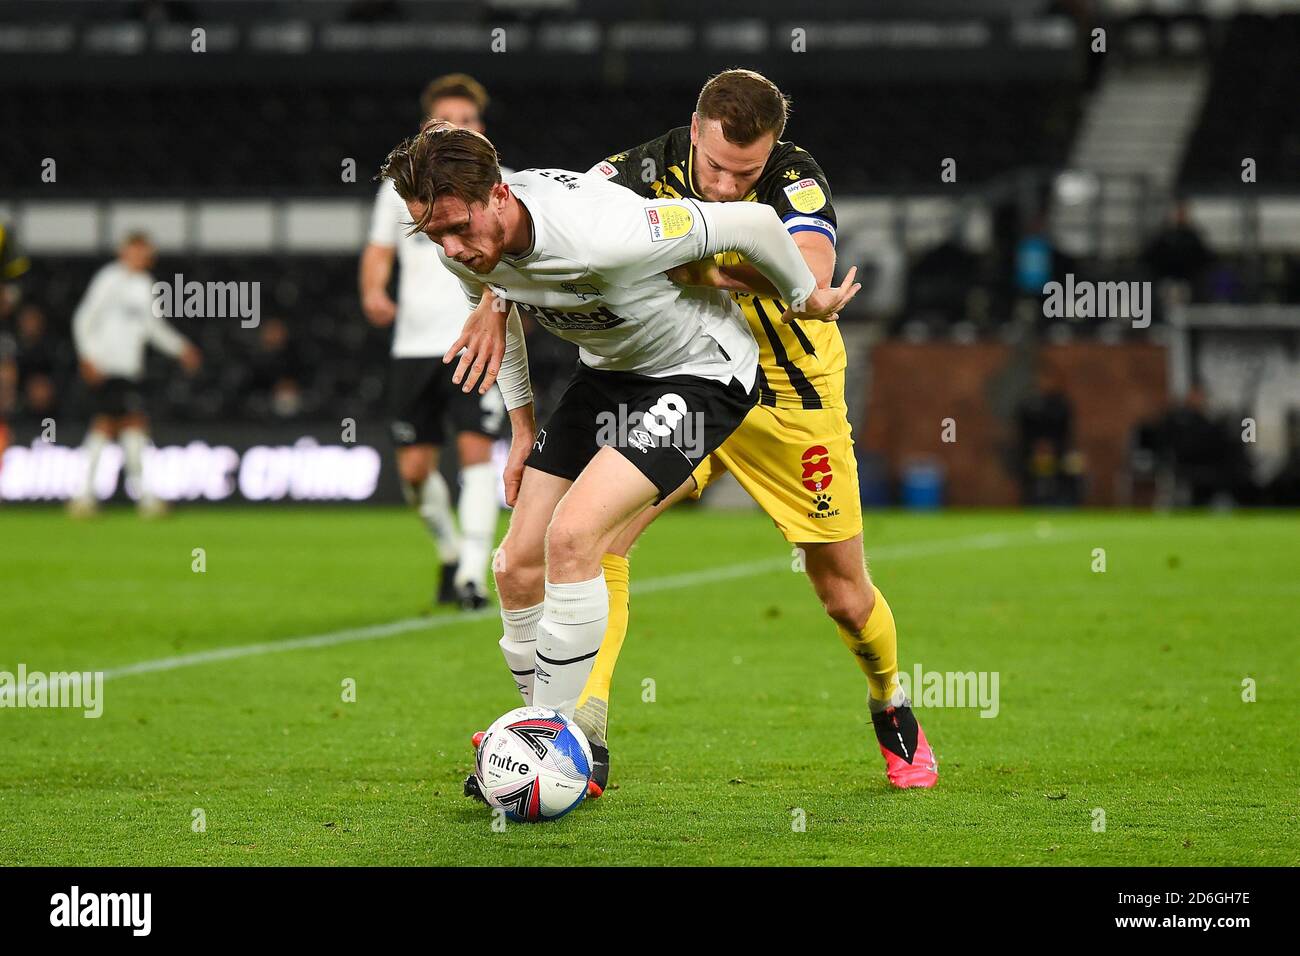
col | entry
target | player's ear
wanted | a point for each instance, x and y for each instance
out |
(695, 128)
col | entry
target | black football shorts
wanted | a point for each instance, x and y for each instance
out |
(422, 396)
(116, 397)
(665, 426)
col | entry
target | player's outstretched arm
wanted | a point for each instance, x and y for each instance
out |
(163, 336)
(494, 350)
(818, 254)
(757, 233)
(708, 273)
(523, 427)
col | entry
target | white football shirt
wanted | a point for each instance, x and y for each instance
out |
(594, 277)
(115, 322)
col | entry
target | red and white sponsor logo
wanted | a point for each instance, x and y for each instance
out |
(816, 462)
(606, 170)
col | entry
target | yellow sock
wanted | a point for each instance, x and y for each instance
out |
(592, 713)
(876, 648)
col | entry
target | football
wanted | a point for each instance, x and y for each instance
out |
(534, 763)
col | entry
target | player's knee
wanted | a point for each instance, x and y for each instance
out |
(849, 607)
(517, 570)
(570, 544)
(413, 469)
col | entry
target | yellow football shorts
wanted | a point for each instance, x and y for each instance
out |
(798, 465)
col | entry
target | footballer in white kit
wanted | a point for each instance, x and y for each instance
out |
(665, 372)
(422, 400)
(115, 323)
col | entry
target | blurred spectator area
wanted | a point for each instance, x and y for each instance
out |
(1251, 107)
(236, 164)
(310, 334)
(311, 355)
(977, 395)
(254, 140)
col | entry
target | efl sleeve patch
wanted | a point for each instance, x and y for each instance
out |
(669, 222)
(604, 169)
(806, 195)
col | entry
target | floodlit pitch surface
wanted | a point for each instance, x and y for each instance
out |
(1145, 714)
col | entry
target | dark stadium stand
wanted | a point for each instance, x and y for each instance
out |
(222, 135)
(170, 140)
(1251, 107)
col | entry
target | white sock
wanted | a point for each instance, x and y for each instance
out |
(519, 643)
(478, 523)
(569, 635)
(93, 447)
(435, 509)
(133, 441)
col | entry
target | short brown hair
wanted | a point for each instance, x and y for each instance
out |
(747, 104)
(454, 84)
(443, 160)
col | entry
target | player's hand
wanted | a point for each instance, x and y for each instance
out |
(379, 309)
(90, 373)
(191, 359)
(482, 345)
(513, 475)
(824, 305)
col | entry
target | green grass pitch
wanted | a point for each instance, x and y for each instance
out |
(1119, 691)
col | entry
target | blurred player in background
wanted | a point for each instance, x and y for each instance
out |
(793, 453)
(429, 313)
(111, 328)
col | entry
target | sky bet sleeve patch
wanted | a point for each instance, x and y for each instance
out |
(806, 195)
(669, 222)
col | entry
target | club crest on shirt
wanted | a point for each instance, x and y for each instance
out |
(806, 195)
(583, 290)
(669, 222)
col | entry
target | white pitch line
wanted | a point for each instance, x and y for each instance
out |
(670, 582)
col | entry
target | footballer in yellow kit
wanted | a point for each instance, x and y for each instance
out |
(793, 453)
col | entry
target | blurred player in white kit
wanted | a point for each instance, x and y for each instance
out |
(114, 324)
(429, 313)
